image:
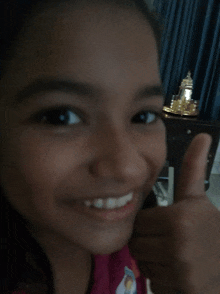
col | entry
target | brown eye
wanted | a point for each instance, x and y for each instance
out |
(145, 117)
(58, 117)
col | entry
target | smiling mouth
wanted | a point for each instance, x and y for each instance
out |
(108, 209)
(109, 203)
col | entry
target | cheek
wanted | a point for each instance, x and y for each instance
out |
(159, 152)
(155, 148)
(155, 155)
(35, 170)
(32, 170)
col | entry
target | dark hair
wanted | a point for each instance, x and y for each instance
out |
(23, 262)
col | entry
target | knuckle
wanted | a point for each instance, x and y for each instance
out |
(183, 226)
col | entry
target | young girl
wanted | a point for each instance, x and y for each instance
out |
(82, 144)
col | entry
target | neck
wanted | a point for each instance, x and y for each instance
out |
(71, 265)
(73, 275)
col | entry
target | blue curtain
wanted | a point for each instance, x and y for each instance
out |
(191, 41)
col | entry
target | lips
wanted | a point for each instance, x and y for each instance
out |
(102, 214)
(109, 203)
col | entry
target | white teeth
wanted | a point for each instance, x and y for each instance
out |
(88, 203)
(122, 201)
(110, 203)
(98, 203)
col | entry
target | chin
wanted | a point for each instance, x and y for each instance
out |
(111, 243)
(108, 249)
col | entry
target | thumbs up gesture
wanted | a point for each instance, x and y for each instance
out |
(178, 247)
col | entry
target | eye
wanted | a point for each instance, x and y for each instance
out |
(146, 117)
(58, 117)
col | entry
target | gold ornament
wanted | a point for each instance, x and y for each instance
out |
(182, 104)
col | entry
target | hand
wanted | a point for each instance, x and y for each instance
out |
(178, 247)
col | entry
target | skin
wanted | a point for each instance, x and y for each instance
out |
(42, 165)
(115, 51)
(179, 249)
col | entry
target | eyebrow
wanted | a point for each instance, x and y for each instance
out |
(86, 90)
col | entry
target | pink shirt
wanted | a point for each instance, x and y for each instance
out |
(116, 274)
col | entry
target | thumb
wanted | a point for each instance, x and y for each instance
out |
(191, 181)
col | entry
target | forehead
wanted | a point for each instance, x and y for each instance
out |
(105, 45)
(103, 25)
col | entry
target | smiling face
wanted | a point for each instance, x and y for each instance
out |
(84, 127)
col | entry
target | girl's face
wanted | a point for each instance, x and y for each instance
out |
(78, 122)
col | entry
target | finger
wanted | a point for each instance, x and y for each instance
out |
(193, 171)
(153, 222)
(151, 249)
(162, 275)
(161, 289)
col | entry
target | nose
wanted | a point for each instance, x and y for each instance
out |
(118, 159)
